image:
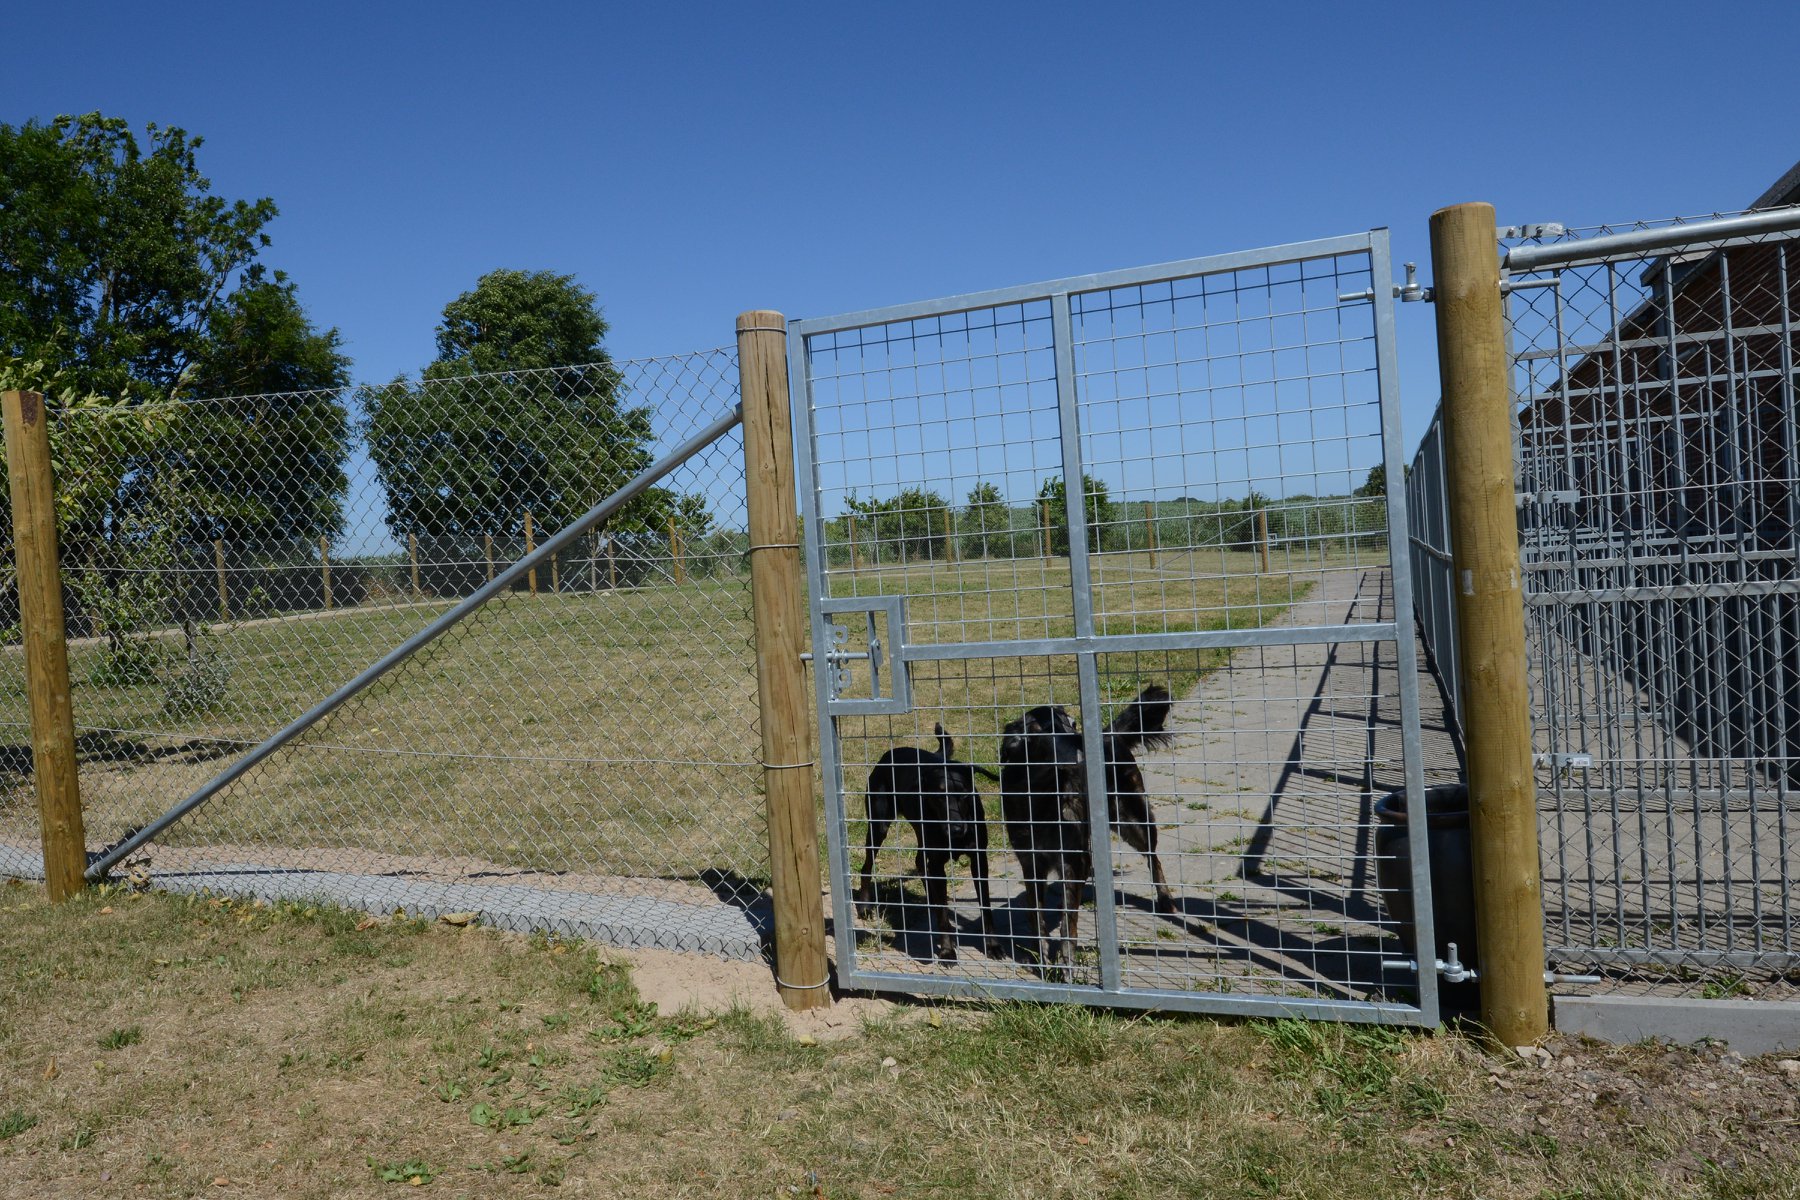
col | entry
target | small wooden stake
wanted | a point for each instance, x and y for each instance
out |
(412, 552)
(530, 545)
(1490, 622)
(219, 569)
(41, 628)
(1150, 531)
(801, 975)
(325, 570)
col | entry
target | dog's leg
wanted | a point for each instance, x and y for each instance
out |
(937, 904)
(881, 814)
(978, 867)
(1139, 832)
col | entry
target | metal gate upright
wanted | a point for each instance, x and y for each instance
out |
(1220, 430)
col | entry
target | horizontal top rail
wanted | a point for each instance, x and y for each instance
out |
(1643, 241)
(1077, 284)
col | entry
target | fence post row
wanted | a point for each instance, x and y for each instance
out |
(801, 974)
(1490, 619)
(46, 651)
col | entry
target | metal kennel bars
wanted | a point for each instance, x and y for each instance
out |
(1653, 370)
(975, 476)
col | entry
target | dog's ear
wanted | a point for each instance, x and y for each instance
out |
(946, 743)
(1012, 740)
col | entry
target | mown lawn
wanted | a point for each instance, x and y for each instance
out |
(174, 1047)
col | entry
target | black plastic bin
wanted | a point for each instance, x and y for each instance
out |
(1452, 883)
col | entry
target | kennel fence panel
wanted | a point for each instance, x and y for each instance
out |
(584, 747)
(1660, 527)
(1237, 405)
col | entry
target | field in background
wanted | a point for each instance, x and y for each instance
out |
(171, 1047)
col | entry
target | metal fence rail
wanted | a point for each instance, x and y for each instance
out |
(1654, 373)
(229, 563)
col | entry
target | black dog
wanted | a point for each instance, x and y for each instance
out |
(1044, 799)
(937, 796)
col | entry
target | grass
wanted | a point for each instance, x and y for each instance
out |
(613, 733)
(457, 1085)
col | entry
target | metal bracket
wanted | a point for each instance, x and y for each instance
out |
(1547, 497)
(1542, 229)
(1572, 761)
(1452, 968)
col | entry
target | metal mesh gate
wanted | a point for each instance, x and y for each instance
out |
(1102, 589)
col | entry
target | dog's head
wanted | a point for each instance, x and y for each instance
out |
(1043, 737)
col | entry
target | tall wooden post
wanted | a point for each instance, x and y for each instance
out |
(1044, 526)
(612, 565)
(801, 975)
(1490, 620)
(219, 570)
(325, 570)
(675, 549)
(487, 550)
(530, 545)
(555, 574)
(851, 517)
(950, 535)
(593, 562)
(1262, 535)
(1150, 531)
(46, 647)
(412, 552)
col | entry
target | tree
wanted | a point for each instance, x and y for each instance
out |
(1096, 503)
(522, 410)
(913, 524)
(986, 527)
(1376, 483)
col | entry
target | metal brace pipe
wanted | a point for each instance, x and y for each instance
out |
(1642, 241)
(418, 641)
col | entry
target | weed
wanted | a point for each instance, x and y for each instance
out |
(15, 1122)
(414, 1171)
(118, 1039)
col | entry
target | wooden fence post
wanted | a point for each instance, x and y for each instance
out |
(612, 565)
(1044, 526)
(851, 517)
(593, 561)
(530, 545)
(46, 647)
(675, 549)
(325, 569)
(950, 535)
(1490, 620)
(801, 974)
(487, 550)
(1262, 535)
(412, 552)
(219, 569)
(1150, 531)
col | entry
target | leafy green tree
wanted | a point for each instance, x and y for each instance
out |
(986, 524)
(1376, 483)
(1096, 503)
(911, 525)
(522, 410)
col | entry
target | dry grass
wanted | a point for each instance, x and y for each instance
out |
(288, 1052)
(611, 733)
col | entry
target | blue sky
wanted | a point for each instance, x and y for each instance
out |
(687, 162)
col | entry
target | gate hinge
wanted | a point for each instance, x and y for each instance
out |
(1578, 760)
(1407, 292)
(1547, 497)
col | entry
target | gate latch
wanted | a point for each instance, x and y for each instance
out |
(1573, 761)
(889, 688)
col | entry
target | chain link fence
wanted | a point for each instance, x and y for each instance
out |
(579, 754)
(1659, 520)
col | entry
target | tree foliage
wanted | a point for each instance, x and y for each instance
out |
(1096, 503)
(492, 431)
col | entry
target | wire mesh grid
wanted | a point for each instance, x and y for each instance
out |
(1656, 411)
(581, 753)
(1230, 432)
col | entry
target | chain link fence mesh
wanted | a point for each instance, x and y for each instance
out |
(581, 753)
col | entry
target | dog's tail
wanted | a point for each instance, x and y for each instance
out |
(985, 773)
(1140, 723)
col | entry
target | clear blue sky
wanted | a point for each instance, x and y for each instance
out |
(687, 162)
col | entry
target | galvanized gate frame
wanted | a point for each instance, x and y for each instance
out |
(1086, 645)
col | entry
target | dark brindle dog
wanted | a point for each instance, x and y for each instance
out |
(1044, 799)
(937, 797)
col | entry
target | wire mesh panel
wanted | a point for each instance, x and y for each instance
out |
(1102, 590)
(1661, 530)
(580, 754)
